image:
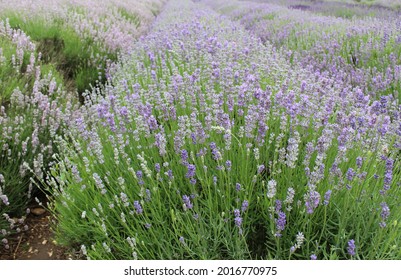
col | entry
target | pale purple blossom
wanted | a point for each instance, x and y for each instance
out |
(351, 247)
(138, 207)
(327, 196)
(187, 202)
(312, 199)
(245, 205)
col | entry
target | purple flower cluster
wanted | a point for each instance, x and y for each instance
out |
(245, 205)
(138, 207)
(388, 175)
(238, 219)
(187, 202)
(281, 219)
(312, 199)
(327, 196)
(351, 247)
(385, 213)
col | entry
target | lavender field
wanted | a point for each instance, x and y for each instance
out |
(209, 129)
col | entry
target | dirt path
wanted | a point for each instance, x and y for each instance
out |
(36, 243)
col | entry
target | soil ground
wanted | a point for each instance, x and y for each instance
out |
(36, 243)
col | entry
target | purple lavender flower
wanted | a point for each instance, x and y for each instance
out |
(313, 257)
(327, 196)
(280, 222)
(261, 168)
(238, 221)
(312, 201)
(388, 176)
(245, 205)
(228, 165)
(215, 151)
(170, 174)
(278, 206)
(184, 156)
(359, 162)
(187, 201)
(157, 167)
(351, 247)
(385, 213)
(182, 240)
(191, 171)
(237, 187)
(138, 207)
(350, 174)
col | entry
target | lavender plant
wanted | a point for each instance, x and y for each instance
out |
(37, 100)
(210, 144)
(31, 114)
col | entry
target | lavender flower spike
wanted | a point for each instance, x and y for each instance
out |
(245, 205)
(138, 207)
(312, 201)
(187, 202)
(351, 247)
(327, 196)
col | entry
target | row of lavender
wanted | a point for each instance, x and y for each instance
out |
(344, 8)
(212, 145)
(36, 104)
(30, 113)
(363, 52)
(112, 26)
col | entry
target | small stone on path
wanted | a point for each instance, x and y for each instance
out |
(38, 211)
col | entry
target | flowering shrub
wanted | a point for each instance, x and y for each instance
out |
(209, 144)
(44, 48)
(31, 114)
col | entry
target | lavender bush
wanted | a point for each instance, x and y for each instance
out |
(210, 143)
(31, 115)
(37, 100)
